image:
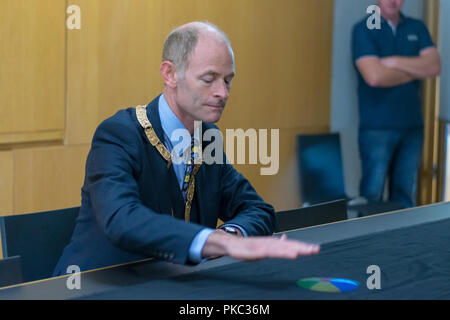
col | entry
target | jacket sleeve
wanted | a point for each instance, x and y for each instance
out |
(241, 205)
(112, 168)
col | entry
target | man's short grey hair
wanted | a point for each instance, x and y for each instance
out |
(182, 41)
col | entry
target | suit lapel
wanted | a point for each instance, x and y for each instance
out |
(171, 198)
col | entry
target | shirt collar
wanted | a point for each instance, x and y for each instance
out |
(401, 20)
(170, 123)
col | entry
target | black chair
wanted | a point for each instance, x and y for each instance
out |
(10, 271)
(310, 216)
(320, 168)
(38, 238)
(322, 175)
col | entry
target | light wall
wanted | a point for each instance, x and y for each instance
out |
(444, 93)
(444, 49)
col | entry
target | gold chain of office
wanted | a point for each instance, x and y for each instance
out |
(141, 114)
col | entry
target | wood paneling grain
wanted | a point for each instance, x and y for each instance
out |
(32, 67)
(48, 178)
(6, 182)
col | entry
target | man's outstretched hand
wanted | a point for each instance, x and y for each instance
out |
(220, 243)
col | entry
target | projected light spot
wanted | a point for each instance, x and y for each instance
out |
(328, 284)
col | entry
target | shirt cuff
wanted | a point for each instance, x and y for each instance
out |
(195, 250)
(244, 233)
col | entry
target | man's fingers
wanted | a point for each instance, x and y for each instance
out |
(255, 248)
(296, 249)
(302, 247)
(309, 249)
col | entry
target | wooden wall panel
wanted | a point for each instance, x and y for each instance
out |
(112, 62)
(427, 177)
(130, 51)
(6, 183)
(283, 63)
(32, 69)
(283, 59)
(48, 178)
(82, 75)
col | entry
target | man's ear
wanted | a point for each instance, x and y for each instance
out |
(169, 74)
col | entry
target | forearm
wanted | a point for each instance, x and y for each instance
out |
(418, 67)
(376, 74)
(216, 244)
(385, 77)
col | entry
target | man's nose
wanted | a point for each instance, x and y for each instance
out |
(222, 90)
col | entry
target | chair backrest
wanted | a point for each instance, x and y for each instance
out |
(39, 239)
(10, 271)
(320, 168)
(310, 216)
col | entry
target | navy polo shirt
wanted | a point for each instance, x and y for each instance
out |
(396, 107)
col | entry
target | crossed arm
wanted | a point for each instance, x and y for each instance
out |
(397, 70)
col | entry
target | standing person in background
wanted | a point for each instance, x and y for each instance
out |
(391, 62)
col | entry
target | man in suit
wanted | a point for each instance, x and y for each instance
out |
(137, 202)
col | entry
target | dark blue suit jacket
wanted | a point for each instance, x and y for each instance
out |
(132, 207)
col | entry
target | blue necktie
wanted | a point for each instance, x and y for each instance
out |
(189, 168)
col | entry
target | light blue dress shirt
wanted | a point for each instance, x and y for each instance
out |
(170, 123)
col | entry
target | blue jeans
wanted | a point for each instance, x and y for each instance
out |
(395, 154)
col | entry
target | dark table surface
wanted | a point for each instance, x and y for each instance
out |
(370, 208)
(409, 246)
